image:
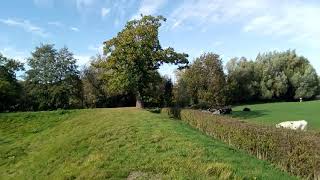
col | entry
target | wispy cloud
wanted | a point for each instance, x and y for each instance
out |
(104, 12)
(12, 52)
(296, 20)
(82, 59)
(96, 49)
(25, 25)
(83, 4)
(56, 23)
(149, 7)
(204, 12)
(74, 29)
(43, 3)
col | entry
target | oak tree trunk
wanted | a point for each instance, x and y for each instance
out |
(139, 101)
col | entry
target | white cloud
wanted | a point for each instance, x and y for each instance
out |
(83, 4)
(120, 9)
(75, 29)
(104, 12)
(26, 25)
(149, 7)
(12, 52)
(296, 20)
(97, 49)
(56, 23)
(82, 59)
(203, 12)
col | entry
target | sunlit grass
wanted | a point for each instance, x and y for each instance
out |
(117, 143)
(273, 113)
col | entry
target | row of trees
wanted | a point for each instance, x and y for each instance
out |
(127, 74)
(273, 76)
(53, 81)
(124, 75)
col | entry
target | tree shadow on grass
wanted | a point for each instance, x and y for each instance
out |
(250, 114)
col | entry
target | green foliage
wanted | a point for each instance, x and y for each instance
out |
(134, 55)
(182, 97)
(53, 79)
(10, 89)
(285, 75)
(94, 89)
(240, 71)
(205, 81)
(296, 152)
(168, 92)
(117, 144)
(273, 76)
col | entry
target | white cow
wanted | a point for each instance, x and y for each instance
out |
(295, 125)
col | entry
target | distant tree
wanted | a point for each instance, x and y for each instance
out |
(168, 92)
(243, 80)
(182, 97)
(134, 55)
(205, 81)
(285, 75)
(10, 89)
(94, 89)
(307, 83)
(153, 92)
(53, 79)
(319, 85)
(214, 91)
(274, 83)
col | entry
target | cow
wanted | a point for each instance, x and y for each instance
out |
(294, 125)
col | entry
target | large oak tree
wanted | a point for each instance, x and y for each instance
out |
(134, 55)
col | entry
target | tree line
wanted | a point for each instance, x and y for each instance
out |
(126, 75)
(272, 76)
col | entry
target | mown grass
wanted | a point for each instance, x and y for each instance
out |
(273, 113)
(117, 143)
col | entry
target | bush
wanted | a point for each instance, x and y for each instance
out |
(293, 151)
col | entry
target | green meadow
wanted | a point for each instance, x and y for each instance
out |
(273, 113)
(121, 143)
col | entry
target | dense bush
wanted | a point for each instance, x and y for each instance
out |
(296, 152)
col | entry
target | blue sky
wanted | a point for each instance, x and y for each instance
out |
(231, 28)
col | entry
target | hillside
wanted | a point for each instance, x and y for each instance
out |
(116, 143)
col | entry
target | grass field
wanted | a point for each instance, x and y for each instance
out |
(273, 113)
(117, 143)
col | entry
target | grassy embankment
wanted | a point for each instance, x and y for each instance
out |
(116, 143)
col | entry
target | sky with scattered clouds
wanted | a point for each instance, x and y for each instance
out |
(231, 28)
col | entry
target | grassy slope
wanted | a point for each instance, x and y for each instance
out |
(272, 113)
(116, 143)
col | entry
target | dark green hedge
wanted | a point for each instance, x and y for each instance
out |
(293, 151)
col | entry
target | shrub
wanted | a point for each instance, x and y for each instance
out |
(293, 151)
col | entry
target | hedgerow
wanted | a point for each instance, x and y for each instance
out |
(293, 151)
